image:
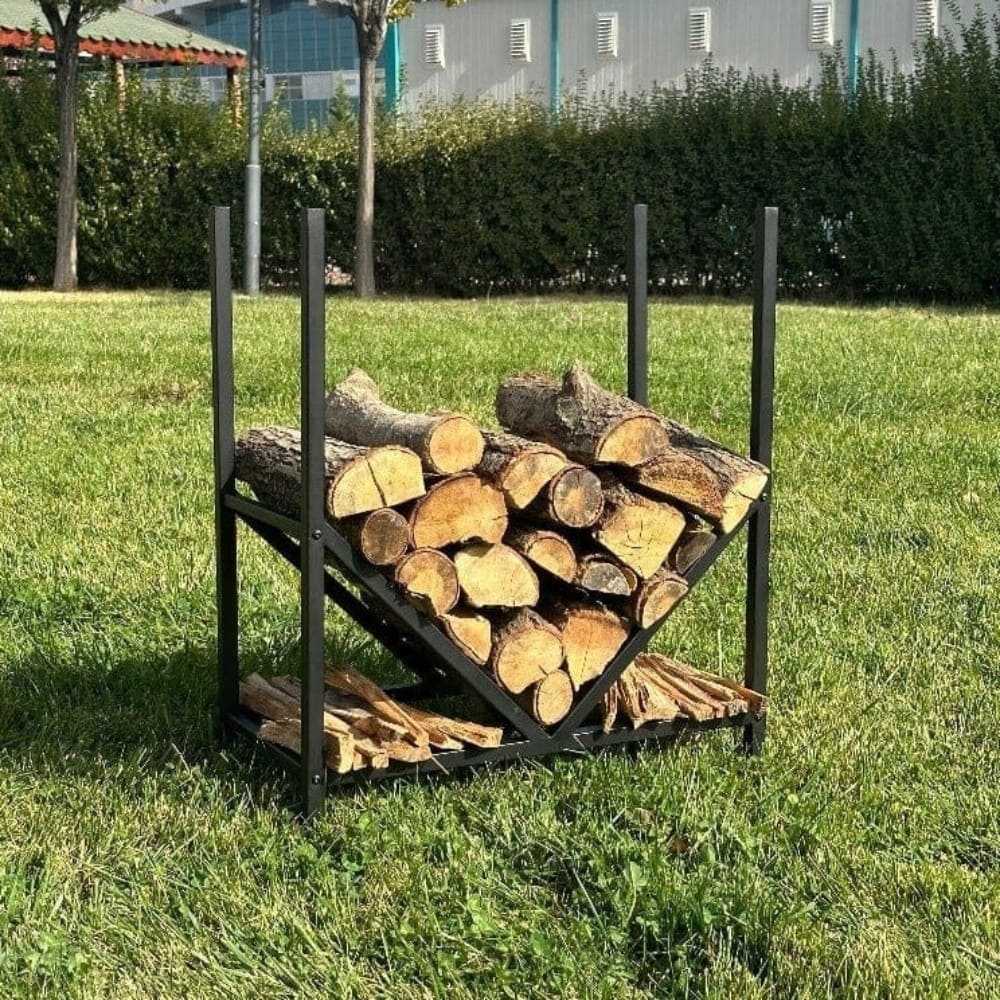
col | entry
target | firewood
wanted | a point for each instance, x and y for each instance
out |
(709, 682)
(458, 509)
(526, 648)
(471, 632)
(609, 708)
(550, 699)
(572, 498)
(518, 467)
(603, 574)
(446, 442)
(287, 733)
(495, 576)
(466, 732)
(641, 699)
(578, 416)
(269, 460)
(696, 539)
(692, 703)
(271, 703)
(547, 550)
(639, 531)
(381, 536)
(429, 579)
(655, 597)
(350, 681)
(591, 636)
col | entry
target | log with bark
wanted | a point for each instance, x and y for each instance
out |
(429, 580)
(655, 597)
(696, 539)
(549, 700)
(381, 536)
(446, 442)
(471, 632)
(591, 636)
(603, 574)
(639, 531)
(526, 648)
(572, 498)
(461, 508)
(495, 576)
(580, 417)
(518, 467)
(548, 550)
(269, 460)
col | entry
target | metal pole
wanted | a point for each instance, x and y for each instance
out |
(765, 287)
(224, 434)
(312, 597)
(852, 47)
(251, 265)
(554, 57)
(638, 306)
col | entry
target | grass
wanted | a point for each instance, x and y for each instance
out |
(859, 856)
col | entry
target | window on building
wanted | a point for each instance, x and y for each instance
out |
(607, 35)
(925, 19)
(434, 45)
(520, 39)
(820, 25)
(700, 29)
(288, 86)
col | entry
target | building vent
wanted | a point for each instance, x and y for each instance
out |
(520, 40)
(607, 35)
(700, 29)
(820, 25)
(925, 19)
(434, 45)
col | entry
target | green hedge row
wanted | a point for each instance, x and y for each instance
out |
(893, 191)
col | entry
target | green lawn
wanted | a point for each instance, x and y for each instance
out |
(859, 856)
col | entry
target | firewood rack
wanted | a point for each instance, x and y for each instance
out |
(311, 544)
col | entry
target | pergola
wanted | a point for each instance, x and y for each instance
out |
(121, 37)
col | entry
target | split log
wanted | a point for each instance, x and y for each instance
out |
(518, 467)
(429, 580)
(639, 531)
(696, 539)
(573, 498)
(591, 637)
(580, 417)
(287, 733)
(496, 576)
(655, 597)
(350, 681)
(710, 683)
(466, 732)
(381, 536)
(545, 549)
(526, 649)
(458, 509)
(641, 699)
(693, 703)
(550, 700)
(269, 460)
(604, 575)
(472, 633)
(610, 705)
(272, 703)
(446, 442)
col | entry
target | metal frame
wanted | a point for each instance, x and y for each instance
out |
(312, 544)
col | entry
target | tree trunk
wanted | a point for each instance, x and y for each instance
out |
(364, 250)
(67, 60)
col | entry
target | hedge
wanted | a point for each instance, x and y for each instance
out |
(890, 192)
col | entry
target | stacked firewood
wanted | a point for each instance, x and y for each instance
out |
(362, 726)
(537, 549)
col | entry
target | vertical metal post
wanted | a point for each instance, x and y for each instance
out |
(554, 59)
(638, 306)
(224, 434)
(251, 213)
(765, 287)
(312, 597)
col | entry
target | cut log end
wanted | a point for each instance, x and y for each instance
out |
(550, 700)
(545, 549)
(602, 575)
(496, 576)
(641, 535)
(454, 444)
(381, 536)
(459, 509)
(575, 497)
(429, 579)
(472, 633)
(591, 637)
(655, 598)
(527, 648)
(632, 441)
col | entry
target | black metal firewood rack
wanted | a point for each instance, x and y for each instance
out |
(312, 544)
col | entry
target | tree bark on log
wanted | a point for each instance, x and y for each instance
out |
(429, 580)
(358, 480)
(591, 636)
(495, 576)
(580, 417)
(550, 699)
(547, 550)
(382, 536)
(518, 467)
(572, 498)
(639, 531)
(526, 648)
(458, 509)
(446, 442)
(655, 597)
(472, 633)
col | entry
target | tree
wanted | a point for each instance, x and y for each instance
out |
(371, 22)
(65, 21)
